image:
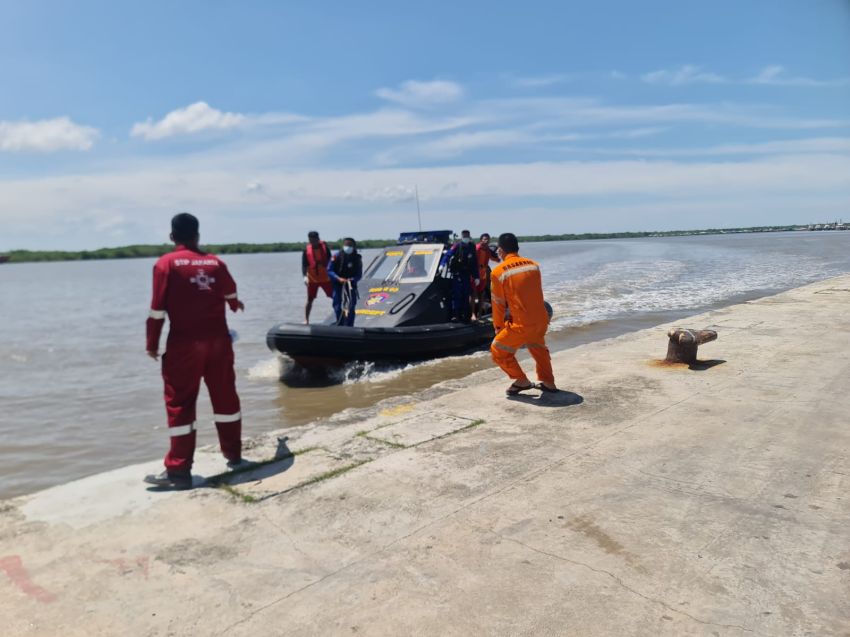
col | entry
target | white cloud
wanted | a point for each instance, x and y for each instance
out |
(194, 118)
(539, 81)
(817, 145)
(422, 94)
(46, 136)
(575, 112)
(687, 74)
(369, 202)
(398, 193)
(775, 75)
(458, 143)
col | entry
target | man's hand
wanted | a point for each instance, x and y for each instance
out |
(239, 306)
(153, 355)
(477, 281)
(343, 280)
(306, 280)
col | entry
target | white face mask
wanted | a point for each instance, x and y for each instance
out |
(348, 249)
(466, 239)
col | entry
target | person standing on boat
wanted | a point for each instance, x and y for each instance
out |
(314, 268)
(463, 267)
(484, 253)
(192, 288)
(520, 317)
(345, 271)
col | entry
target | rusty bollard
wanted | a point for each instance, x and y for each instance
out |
(684, 343)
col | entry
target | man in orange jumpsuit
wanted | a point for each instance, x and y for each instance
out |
(517, 287)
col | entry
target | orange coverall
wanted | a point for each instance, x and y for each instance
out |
(516, 284)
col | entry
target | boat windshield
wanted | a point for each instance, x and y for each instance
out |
(416, 263)
(421, 263)
(386, 266)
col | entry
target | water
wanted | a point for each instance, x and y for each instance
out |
(79, 395)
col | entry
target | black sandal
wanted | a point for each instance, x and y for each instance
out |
(515, 389)
(545, 388)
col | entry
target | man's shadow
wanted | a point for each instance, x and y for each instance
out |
(560, 398)
(282, 461)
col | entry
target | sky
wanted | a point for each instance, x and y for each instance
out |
(269, 119)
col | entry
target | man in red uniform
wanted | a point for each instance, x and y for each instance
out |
(483, 254)
(192, 288)
(314, 268)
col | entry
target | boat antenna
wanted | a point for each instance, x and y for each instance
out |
(418, 211)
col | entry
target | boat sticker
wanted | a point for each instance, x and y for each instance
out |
(424, 252)
(376, 298)
(365, 312)
(395, 253)
(383, 289)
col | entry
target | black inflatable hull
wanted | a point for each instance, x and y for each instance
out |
(315, 345)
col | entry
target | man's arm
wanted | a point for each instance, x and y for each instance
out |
(156, 316)
(228, 289)
(305, 263)
(447, 255)
(331, 274)
(497, 296)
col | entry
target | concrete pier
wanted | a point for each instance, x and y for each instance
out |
(645, 499)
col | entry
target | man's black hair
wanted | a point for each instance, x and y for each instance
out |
(312, 234)
(485, 234)
(353, 242)
(463, 232)
(509, 243)
(184, 227)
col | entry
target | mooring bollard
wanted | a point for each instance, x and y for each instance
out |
(684, 343)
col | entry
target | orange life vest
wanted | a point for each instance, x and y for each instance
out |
(317, 258)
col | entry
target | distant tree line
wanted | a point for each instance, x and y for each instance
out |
(147, 251)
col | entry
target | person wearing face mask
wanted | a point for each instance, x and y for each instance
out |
(463, 267)
(345, 271)
(516, 285)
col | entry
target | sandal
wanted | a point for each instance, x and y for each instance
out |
(545, 388)
(515, 389)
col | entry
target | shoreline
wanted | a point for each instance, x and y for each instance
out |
(149, 251)
(562, 339)
(642, 499)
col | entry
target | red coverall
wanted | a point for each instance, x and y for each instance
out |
(192, 288)
(484, 256)
(516, 284)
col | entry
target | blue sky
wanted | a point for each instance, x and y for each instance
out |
(268, 119)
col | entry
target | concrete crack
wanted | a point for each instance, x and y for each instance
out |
(467, 505)
(617, 579)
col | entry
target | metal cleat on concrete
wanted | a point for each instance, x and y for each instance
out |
(683, 344)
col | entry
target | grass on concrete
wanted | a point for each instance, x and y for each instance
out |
(474, 423)
(333, 473)
(236, 494)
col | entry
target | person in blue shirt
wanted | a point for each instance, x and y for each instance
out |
(463, 266)
(345, 270)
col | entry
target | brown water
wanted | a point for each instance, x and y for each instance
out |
(79, 396)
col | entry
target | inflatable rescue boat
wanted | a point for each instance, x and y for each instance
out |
(402, 315)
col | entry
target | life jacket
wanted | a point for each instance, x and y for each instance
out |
(317, 259)
(463, 259)
(348, 266)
